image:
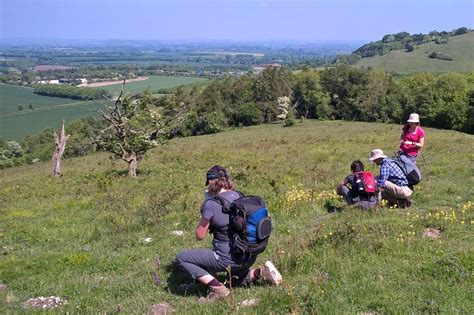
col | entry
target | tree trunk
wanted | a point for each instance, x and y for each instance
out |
(59, 146)
(132, 165)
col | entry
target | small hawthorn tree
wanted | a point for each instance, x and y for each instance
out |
(135, 125)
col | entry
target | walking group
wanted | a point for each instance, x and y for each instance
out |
(397, 177)
(241, 226)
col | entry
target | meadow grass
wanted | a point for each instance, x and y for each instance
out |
(80, 236)
(460, 48)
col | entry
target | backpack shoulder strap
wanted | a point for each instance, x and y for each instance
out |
(224, 202)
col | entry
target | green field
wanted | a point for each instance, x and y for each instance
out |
(47, 111)
(12, 96)
(153, 83)
(81, 236)
(460, 48)
(50, 111)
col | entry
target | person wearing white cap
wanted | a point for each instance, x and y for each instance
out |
(392, 182)
(412, 138)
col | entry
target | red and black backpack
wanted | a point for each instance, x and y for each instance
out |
(364, 183)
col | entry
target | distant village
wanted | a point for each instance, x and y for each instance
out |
(82, 82)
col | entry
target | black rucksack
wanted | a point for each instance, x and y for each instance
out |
(249, 224)
(411, 171)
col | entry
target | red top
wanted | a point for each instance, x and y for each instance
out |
(409, 139)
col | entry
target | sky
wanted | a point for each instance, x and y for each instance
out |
(238, 20)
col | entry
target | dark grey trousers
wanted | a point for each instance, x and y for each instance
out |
(201, 262)
(361, 203)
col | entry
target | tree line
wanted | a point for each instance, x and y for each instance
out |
(343, 93)
(68, 91)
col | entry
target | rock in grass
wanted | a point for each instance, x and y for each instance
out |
(146, 240)
(3, 287)
(177, 233)
(432, 233)
(161, 309)
(250, 302)
(45, 302)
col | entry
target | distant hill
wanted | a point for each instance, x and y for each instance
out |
(460, 49)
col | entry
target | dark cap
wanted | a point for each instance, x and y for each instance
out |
(214, 172)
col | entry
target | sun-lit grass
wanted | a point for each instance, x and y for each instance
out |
(81, 236)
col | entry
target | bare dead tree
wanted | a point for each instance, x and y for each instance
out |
(59, 146)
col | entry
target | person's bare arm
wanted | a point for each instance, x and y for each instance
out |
(202, 229)
(420, 143)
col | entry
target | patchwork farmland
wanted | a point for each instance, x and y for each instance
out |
(23, 113)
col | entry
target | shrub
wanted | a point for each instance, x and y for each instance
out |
(248, 114)
(440, 56)
(289, 122)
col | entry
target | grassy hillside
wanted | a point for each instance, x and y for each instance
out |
(81, 237)
(460, 48)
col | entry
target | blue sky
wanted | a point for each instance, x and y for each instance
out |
(301, 20)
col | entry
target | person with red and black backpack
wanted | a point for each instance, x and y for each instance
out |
(358, 188)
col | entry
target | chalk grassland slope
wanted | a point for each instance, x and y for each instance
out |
(153, 83)
(460, 48)
(81, 236)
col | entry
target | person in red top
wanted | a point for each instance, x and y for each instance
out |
(412, 138)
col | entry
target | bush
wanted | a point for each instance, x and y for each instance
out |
(248, 114)
(441, 40)
(440, 56)
(461, 30)
(289, 122)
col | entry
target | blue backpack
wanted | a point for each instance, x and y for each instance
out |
(249, 224)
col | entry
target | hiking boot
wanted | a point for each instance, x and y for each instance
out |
(404, 203)
(269, 273)
(216, 293)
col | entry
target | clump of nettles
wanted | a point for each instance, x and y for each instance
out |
(45, 302)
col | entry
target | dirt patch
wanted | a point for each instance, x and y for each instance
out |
(45, 302)
(105, 83)
(432, 233)
(161, 309)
